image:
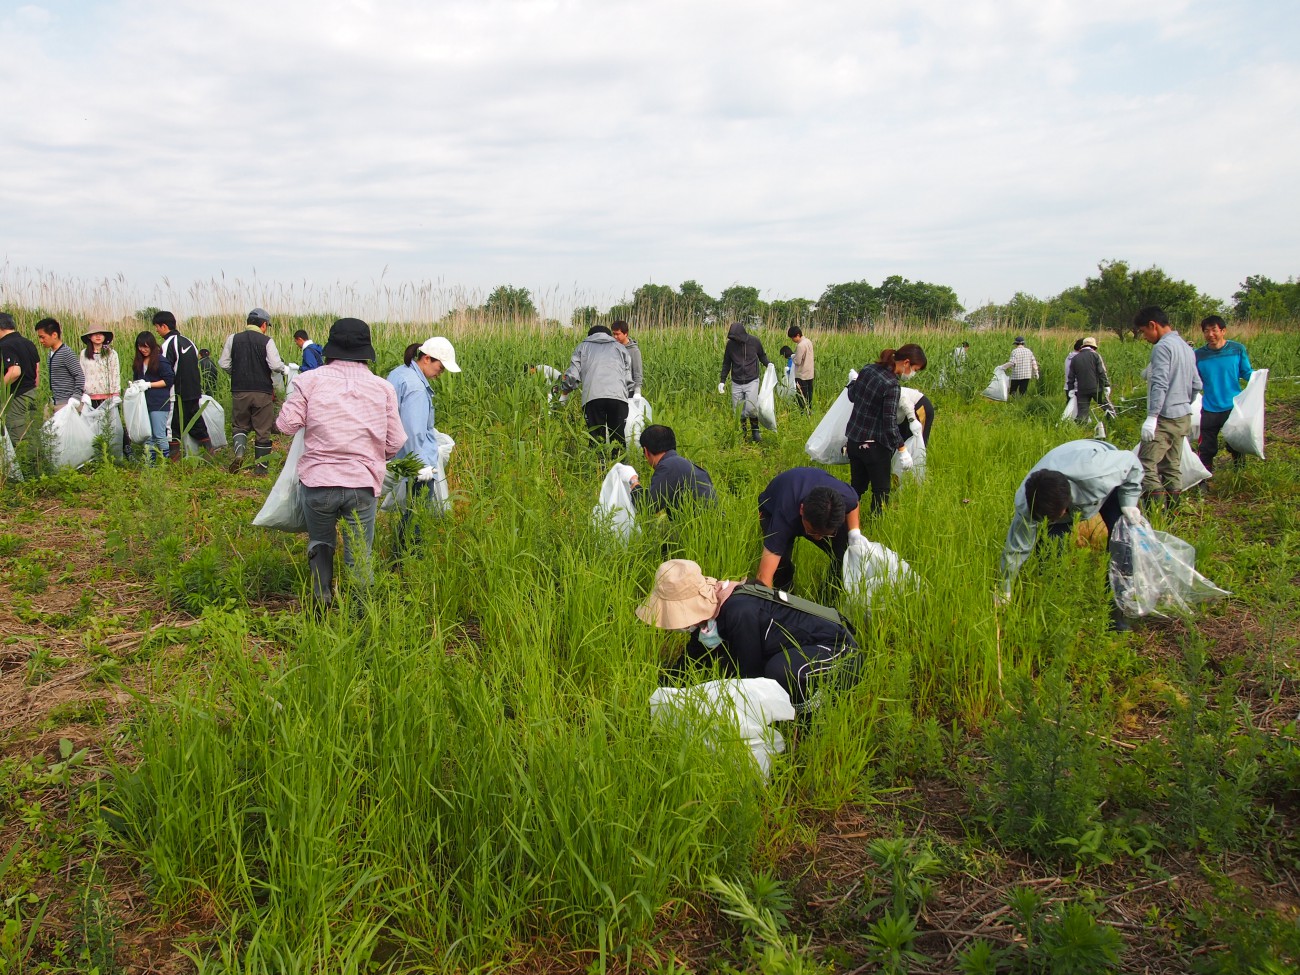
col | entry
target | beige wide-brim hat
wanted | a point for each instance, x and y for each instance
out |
(682, 596)
(1090, 342)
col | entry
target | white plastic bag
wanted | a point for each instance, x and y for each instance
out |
(868, 566)
(1153, 573)
(214, 419)
(1244, 431)
(767, 398)
(915, 445)
(1197, 406)
(1071, 410)
(1192, 471)
(283, 508)
(71, 439)
(615, 510)
(785, 386)
(826, 444)
(8, 459)
(999, 390)
(639, 416)
(733, 706)
(135, 414)
(106, 422)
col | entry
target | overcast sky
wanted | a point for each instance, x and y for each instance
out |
(580, 149)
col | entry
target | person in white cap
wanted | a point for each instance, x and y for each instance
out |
(421, 364)
(749, 630)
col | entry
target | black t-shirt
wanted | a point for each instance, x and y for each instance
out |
(780, 502)
(15, 350)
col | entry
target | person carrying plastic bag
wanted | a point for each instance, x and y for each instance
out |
(154, 379)
(1078, 479)
(871, 435)
(741, 357)
(412, 382)
(351, 428)
(1223, 366)
(1172, 382)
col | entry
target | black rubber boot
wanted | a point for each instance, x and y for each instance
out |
(320, 560)
(261, 450)
(753, 430)
(239, 444)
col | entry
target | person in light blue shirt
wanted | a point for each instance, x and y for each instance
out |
(1079, 478)
(1172, 383)
(1223, 367)
(421, 363)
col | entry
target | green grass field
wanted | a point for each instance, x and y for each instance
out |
(461, 775)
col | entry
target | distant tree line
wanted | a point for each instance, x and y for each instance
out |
(1104, 302)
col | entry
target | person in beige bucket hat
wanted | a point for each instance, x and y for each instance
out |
(749, 630)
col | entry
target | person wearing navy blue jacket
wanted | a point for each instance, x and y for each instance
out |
(154, 374)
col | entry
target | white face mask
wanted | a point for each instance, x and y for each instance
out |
(907, 375)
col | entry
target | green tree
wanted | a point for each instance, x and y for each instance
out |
(585, 316)
(783, 313)
(1261, 299)
(507, 303)
(1116, 294)
(918, 299)
(848, 305)
(696, 303)
(741, 303)
(655, 304)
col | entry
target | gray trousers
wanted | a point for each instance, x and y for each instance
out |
(744, 396)
(324, 507)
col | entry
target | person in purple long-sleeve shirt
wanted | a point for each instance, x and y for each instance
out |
(351, 429)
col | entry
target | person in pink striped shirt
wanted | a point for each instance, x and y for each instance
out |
(351, 430)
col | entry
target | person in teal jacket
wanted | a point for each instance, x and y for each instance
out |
(1223, 366)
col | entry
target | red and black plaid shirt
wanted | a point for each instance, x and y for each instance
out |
(874, 395)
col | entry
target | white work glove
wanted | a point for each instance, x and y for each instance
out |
(722, 388)
(915, 427)
(1133, 516)
(905, 461)
(114, 400)
(140, 384)
(424, 474)
(1149, 429)
(85, 400)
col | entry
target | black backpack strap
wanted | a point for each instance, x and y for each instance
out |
(794, 602)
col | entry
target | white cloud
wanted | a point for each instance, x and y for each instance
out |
(993, 146)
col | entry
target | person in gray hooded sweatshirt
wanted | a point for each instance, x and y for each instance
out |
(603, 368)
(741, 358)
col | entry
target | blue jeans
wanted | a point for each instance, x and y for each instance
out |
(158, 445)
(324, 507)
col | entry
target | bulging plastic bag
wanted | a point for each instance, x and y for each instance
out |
(1192, 471)
(135, 414)
(869, 566)
(283, 507)
(1153, 573)
(214, 419)
(744, 707)
(1071, 411)
(106, 422)
(767, 398)
(639, 416)
(615, 510)
(1195, 432)
(71, 438)
(1244, 431)
(785, 386)
(915, 445)
(999, 390)
(826, 444)
(8, 459)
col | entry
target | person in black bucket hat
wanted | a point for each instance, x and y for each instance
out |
(351, 430)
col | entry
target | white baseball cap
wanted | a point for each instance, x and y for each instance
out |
(440, 348)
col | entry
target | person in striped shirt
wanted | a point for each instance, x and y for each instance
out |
(67, 381)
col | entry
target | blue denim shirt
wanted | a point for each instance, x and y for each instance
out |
(415, 406)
